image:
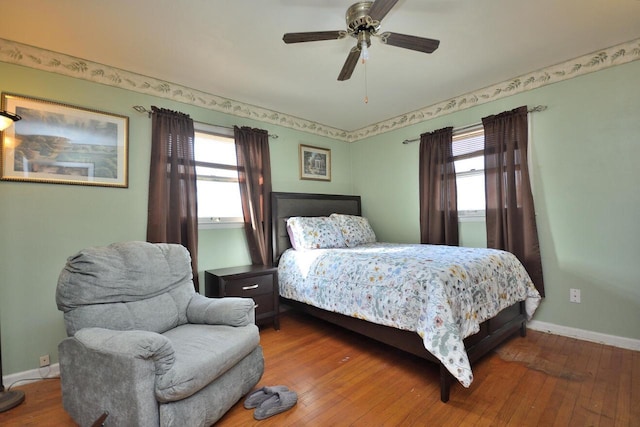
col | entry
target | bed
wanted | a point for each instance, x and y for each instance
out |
(437, 327)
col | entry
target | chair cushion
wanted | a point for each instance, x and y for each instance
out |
(202, 354)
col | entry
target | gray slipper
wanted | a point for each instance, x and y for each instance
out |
(254, 399)
(280, 401)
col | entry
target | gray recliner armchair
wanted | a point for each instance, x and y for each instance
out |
(144, 346)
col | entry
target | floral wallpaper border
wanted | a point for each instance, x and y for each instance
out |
(42, 59)
(596, 61)
(33, 57)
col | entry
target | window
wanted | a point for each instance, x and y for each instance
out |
(217, 176)
(468, 156)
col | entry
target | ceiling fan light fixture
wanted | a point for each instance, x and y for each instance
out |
(364, 52)
(364, 41)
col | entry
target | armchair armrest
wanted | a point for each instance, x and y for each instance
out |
(232, 311)
(137, 344)
(115, 371)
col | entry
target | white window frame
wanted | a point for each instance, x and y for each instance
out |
(216, 222)
(476, 215)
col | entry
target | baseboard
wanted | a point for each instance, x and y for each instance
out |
(581, 334)
(33, 375)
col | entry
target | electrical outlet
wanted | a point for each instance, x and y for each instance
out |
(44, 361)
(574, 295)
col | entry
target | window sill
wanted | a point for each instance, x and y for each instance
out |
(471, 216)
(212, 225)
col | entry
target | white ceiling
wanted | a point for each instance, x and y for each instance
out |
(234, 49)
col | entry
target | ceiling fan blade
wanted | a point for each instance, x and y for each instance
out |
(380, 8)
(349, 64)
(420, 44)
(313, 36)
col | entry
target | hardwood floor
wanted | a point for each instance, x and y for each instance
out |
(343, 379)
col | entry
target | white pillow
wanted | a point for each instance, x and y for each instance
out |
(319, 232)
(356, 230)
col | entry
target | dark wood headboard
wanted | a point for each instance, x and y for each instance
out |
(286, 205)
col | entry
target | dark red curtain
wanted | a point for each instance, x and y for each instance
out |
(510, 213)
(254, 175)
(438, 197)
(172, 209)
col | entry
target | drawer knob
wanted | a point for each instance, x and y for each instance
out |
(248, 288)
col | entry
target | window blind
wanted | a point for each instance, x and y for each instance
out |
(467, 144)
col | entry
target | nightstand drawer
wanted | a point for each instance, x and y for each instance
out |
(249, 286)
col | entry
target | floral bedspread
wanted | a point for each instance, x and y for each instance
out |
(441, 292)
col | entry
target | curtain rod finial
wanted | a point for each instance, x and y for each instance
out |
(141, 109)
(538, 108)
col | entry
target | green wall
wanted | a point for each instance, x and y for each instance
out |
(473, 234)
(584, 166)
(43, 224)
(584, 150)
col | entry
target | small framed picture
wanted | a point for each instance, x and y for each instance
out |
(62, 144)
(315, 163)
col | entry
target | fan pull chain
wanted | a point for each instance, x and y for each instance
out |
(366, 92)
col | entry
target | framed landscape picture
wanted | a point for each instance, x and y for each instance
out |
(315, 163)
(63, 144)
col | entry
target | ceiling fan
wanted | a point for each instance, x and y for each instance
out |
(363, 21)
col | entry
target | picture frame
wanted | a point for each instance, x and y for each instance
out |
(63, 144)
(315, 163)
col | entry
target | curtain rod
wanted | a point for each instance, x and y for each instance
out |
(535, 109)
(141, 109)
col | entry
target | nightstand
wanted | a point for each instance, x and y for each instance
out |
(255, 281)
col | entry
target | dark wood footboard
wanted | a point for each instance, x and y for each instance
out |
(492, 333)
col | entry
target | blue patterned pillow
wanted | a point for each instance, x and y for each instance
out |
(318, 232)
(356, 230)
